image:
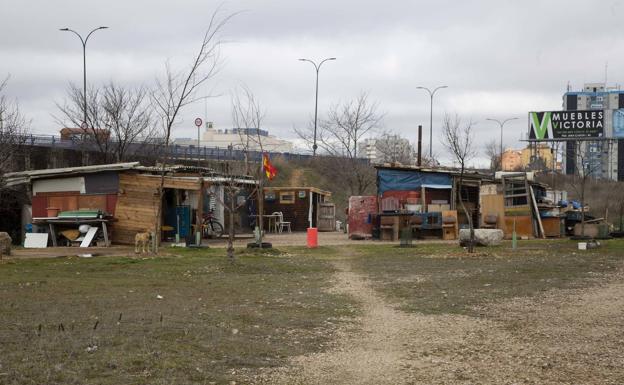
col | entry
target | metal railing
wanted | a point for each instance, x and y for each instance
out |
(176, 151)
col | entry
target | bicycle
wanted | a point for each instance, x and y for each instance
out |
(211, 228)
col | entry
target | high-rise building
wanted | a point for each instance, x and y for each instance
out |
(367, 148)
(603, 156)
(388, 148)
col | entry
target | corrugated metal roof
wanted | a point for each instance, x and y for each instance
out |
(209, 174)
(215, 179)
(178, 168)
(21, 177)
(444, 170)
(313, 189)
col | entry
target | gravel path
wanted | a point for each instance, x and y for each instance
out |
(375, 354)
(561, 337)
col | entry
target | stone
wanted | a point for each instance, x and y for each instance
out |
(5, 244)
(483, 237)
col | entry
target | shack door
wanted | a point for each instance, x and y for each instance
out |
(327, 217)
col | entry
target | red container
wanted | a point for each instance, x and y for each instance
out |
(312, 237)
(360, 209)
(52, 212)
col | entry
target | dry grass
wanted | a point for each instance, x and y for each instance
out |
(436, 279)
(545, 313)
(101, 321)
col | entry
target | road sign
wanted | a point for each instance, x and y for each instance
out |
(198, 122)
(84, 125)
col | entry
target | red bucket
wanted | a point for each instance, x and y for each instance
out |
(312, 237)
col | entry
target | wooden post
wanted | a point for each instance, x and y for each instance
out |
(537, 213)
(260, 217)
(318, 209)
(453, 194)
(200, 211)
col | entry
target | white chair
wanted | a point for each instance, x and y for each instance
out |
(280, 224)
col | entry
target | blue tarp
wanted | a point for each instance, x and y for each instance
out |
(411, 180)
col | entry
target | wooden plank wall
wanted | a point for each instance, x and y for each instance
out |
(524, 226)
(494, 205)
(296, 213)
(72, 201)
(137, 206)
(326, 217)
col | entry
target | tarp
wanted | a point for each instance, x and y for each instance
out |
(410, 180)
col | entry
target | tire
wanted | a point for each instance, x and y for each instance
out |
(254, 245)
(217, 230)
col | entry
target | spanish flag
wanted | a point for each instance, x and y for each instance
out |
(269, 169)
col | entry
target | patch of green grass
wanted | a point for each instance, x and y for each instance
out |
(216, 321)
(439, 278)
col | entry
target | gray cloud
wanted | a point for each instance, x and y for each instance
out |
(499, 58)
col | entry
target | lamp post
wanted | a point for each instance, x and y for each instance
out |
(317, 67)
(431, 94)
(84, 68)
(501, 124)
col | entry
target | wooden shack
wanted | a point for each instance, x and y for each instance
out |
(422, 190)
(519, 203)
(303, 207)
(128, 194)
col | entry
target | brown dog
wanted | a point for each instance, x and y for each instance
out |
(142, 242)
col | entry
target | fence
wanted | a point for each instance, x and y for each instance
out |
(176, 151)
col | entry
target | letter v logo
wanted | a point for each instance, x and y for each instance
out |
(540, 128)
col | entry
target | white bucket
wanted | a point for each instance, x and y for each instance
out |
(582, 245)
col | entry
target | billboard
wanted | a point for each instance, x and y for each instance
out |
(566, 124)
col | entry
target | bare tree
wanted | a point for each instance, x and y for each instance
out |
(178, 89)
(130, 120)
(427, 160)
(120, 122)
(347, 124)
(392, 148)
(247, 116)
(458, 139)
(492, 151)
(586, 166)
(340, 135)
(13, 131)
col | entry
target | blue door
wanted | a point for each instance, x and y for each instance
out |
(183, 220)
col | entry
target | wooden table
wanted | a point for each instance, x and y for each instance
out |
(271, 219)
(53, 221)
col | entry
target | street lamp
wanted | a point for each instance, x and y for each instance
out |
(317, 68)
(501, 124)
(84, 68)
(431, 93)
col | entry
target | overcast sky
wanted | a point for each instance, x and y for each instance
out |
(499, 58)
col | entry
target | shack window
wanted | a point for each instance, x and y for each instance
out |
(287, 197)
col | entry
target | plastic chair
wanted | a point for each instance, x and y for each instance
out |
(280, 223)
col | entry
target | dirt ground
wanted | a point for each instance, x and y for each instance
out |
(553, 315)
(333, 238)
(278, 240)
(567, 336)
